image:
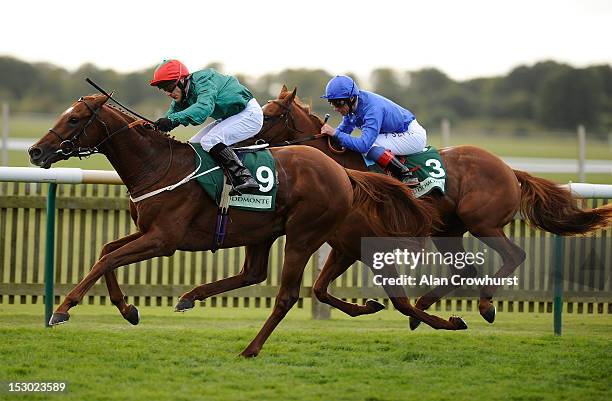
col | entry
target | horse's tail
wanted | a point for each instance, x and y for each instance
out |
(390, 208)
(554, 209)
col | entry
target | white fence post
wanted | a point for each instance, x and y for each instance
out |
(446, 133)
(581, 153)
(320, 310)
(5, 133)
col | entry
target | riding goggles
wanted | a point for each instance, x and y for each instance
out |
(167, 86)
(337, 102)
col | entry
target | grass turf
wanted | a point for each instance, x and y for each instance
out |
(194, 356)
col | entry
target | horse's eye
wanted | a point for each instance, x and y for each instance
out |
(73, 120)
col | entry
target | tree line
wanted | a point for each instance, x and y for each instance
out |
(552, 94)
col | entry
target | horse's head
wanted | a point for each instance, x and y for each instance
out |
(286, 119)
(278, 114)
(74, 134)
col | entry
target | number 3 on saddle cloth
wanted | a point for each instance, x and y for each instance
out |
(261, 165)
(428, 167)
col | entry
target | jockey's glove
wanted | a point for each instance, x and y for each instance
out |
(164, 124)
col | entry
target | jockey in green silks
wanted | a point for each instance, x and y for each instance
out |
(208, 93)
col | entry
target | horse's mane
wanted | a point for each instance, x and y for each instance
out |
(126, 114)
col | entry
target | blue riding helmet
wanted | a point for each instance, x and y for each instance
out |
(341, 87)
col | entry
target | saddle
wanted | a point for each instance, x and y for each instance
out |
(261, 165)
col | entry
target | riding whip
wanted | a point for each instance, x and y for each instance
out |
(110, 96)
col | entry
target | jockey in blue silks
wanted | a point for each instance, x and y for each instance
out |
(387, 129)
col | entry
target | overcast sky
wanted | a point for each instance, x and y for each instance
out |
(465, 39)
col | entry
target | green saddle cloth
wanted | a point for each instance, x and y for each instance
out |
(429, 169)
(262, 167)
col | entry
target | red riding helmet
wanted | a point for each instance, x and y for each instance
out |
(169, 70)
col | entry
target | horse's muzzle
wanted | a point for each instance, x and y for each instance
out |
(39, 157)
(35, 155)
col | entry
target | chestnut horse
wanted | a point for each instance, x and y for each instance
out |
(315, 195)
(483, 194)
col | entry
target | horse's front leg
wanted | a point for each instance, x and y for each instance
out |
(254, 270)
(147, 246)
(129, 312)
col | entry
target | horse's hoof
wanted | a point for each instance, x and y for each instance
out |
(489, 314)
(58, 318)
(249, 353)
(374, 304)
(133, 315)
(184, 305)
(414, 323)
(458, 322)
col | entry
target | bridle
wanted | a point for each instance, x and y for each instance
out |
(287, 118)
(69, 146)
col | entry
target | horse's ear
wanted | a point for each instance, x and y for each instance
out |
(107, 97)
(289, 99)
(284, 89)
(100, 100)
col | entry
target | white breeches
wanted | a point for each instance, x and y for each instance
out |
(412, 141)
(233, 129)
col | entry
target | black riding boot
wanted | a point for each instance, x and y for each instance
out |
(402, 173)
(240, 177)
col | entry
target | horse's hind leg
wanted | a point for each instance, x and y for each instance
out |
(400, 301)
(254, 270)
(336, 264)
(512, 256)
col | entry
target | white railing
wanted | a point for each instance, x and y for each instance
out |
(59, 175)
(79, 176)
